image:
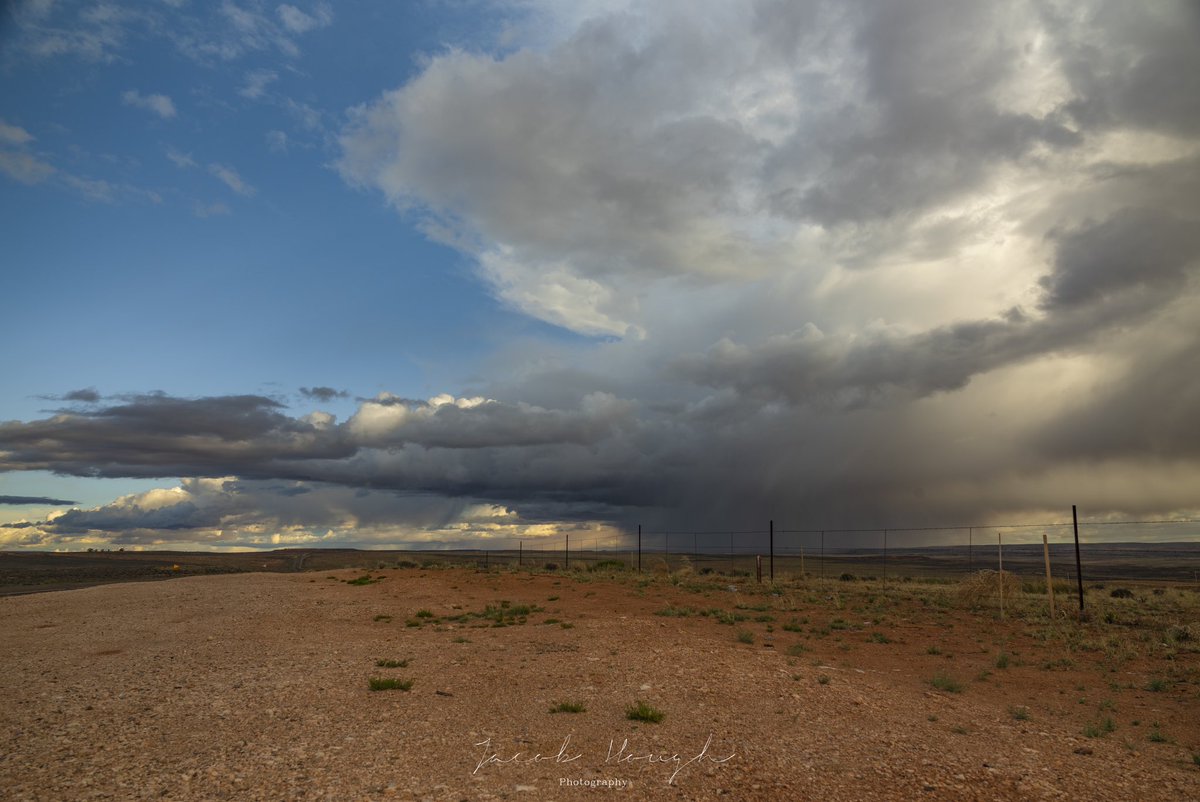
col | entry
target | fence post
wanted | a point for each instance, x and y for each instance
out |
(1000, 554)
(772, 549)
(758, 567)
(885, 565)
(1049, 583)
(1078, 565)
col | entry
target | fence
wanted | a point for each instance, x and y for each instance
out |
(1151, 551)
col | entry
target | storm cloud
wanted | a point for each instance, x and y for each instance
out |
(839, 264)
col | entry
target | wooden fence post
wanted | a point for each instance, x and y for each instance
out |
(1049, 582)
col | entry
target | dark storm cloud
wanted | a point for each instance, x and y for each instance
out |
(49, 502)
(324, 394)
(159, 435)
(1147, 251)
(88, 395)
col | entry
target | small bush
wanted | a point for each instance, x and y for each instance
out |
(983, 587)
(933, 650)
(823, 679)
(569, 707)
(550, 567)
(878, 637)
(1121, 593)
(392, 663)
(745, 636)
(1156, 685)
(424, 614)
(640, 711)
(943, 682)
(608, 565)
(390, 684)
(847, 577)
(1019, 713)
(1002, 660)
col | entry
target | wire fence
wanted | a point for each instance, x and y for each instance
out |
(1150, 551)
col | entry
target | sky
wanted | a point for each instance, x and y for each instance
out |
(463, 272)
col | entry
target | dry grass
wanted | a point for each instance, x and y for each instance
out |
(982, 588)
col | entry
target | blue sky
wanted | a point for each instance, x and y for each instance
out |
(459, 271)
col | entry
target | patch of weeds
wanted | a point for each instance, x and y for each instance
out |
(838, 623)
(823, 679)
(552, 621)
(390, 684)
(959, 730)
(943, 682)
(552, 598)
(392, 663)
(386, 619)
(676, 612)
(1100, 728)
(412, 622)
(1062, 664)
(931, 717)
(1002, 660)
(568, 707)
(567, 625)
(461, 639)
(745, 636)
(933, 650)
(797, 649)
(362, 580)
(878, 637)
(1156, 737)
(1156, 685)
(1019, 713)
(423, 613)
(764, 619)
(983, 675)
(640, 711)
(793, 626)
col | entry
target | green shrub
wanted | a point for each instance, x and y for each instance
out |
(640, 711)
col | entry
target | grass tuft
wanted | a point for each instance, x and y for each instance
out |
(569, 707)
(390, 684)
(943, 682)
(392, 663)
(640, 711)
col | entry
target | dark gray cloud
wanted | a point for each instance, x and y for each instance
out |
(88, 395)
(324, 394)
(39, 500)
(1144, 251)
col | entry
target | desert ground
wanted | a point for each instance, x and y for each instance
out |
(519, 684)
